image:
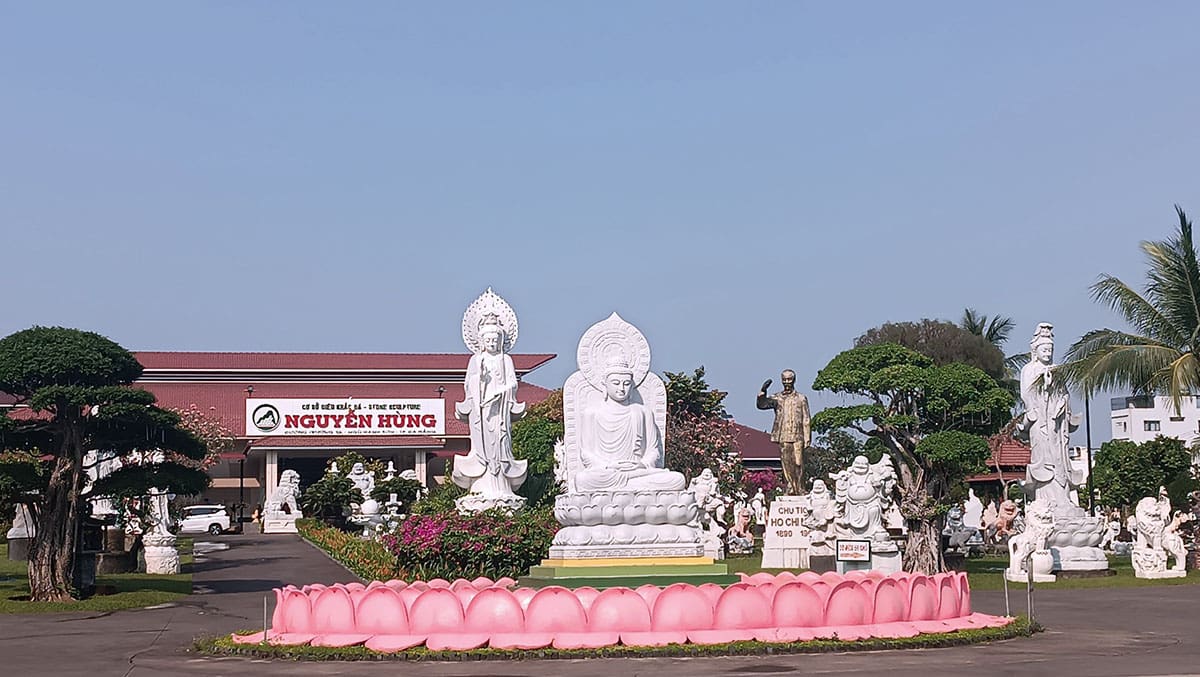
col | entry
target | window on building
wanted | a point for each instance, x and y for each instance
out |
(1152, 426)
(1125, 426)
(1176, 419)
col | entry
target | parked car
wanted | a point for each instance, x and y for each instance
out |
(198, 519)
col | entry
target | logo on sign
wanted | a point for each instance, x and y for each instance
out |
(265, 417)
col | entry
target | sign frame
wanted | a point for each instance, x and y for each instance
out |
(849, 557)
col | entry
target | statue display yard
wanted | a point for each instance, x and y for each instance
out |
(489, 472)
(1028, 550)
(800, 531)
(1156, 537)
(628, 566)
(1050, 477)
(283, 508)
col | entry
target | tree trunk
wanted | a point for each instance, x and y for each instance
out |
(923, 548)
(52, 555)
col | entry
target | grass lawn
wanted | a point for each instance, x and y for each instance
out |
(987, 573)
(128, 591)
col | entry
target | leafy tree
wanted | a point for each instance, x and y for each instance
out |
(73, 391)
(533, 438)
(691, 394)
(406, 491)
(1160, 354)
(699, 432)
(932, 419)
(833, 451)
(1126, 472)
(944, 342)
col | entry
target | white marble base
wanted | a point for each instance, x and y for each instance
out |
(1079, 558)
(621, 551)
(162, 557)
(883, 562)
(1022, 577)
(472, 503)
(785, 558)
(1169, 573)
(279, 525)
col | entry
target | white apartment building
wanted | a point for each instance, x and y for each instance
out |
(1142, 418)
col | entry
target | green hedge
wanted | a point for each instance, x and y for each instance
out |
(369, 560)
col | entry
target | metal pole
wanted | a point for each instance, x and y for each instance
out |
(241, 494)
(264, 639)
(1029, 586)
(1087, 418)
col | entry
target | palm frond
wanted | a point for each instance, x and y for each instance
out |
(1174, 279)
(1184, 375)
(998, 330)
(1140, 313)
(1105, 359)
(972, 321)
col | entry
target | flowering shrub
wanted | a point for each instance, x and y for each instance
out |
(767, 480)
(491, 543)
(698, 442)
(369, 560)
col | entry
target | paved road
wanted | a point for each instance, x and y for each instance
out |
(1130, 631)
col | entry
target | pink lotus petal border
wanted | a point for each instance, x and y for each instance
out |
(396, 615)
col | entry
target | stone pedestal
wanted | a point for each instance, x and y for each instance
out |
(887, 562)
(473, 503)
(18, 549)
(1042, 563)
(1075, 541)
(624, 524)
(822, 563)
(162, 557)
(283, 524)
(785, 546)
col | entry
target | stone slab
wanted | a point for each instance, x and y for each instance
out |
(18, 549)
(1169, 573)
(1022, 577)
(602, 582)
(625, 561)
(600, 571)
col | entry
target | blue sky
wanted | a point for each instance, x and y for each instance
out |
(752, 184)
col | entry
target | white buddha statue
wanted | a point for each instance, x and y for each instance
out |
(620, 447)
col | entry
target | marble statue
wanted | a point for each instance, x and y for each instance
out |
(1004, 525)
(1050, 477)
(739, 540)
(363, 479)
(1030, 546)
(489, 471)
(758, 505)
(819, 515)
(1156, 535)
(959, 533)
(863, 493)
(618, 499)
(160, 553)
(20, 535)
(98, 465)
(712, 509)
(792, 430)
(283, 508)
(990, 513)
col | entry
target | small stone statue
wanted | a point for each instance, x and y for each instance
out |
(758, 505)
(363, 479)
(740, 540)
(820, 513)
(283, 508)
(792, 430)
(490, 471)
(1156, 535)
(712, 508)
(863, 494)
(1030, 545)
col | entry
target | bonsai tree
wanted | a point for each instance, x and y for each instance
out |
(932, 420)
(73, 394)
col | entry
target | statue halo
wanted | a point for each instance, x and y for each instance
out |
(489, 303)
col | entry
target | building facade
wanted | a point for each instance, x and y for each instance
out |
(296, 411)
(1142, 418)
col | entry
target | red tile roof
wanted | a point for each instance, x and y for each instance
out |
(755, 444)
(175, 360)
(1010, 454)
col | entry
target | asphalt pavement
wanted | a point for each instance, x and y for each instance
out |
(1093, 632)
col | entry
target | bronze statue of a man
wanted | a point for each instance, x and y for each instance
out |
(792, 429)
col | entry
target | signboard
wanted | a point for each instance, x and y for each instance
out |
(853, 551)
(299, 416)
(783, 528)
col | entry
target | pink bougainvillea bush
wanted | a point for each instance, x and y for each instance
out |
(490, 543)
(461, 615)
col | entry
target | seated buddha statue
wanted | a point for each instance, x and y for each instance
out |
(619, 443)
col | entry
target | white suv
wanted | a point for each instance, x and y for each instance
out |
(201, 518)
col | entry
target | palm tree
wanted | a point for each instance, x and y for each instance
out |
(1159, 355)
(995, 330)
